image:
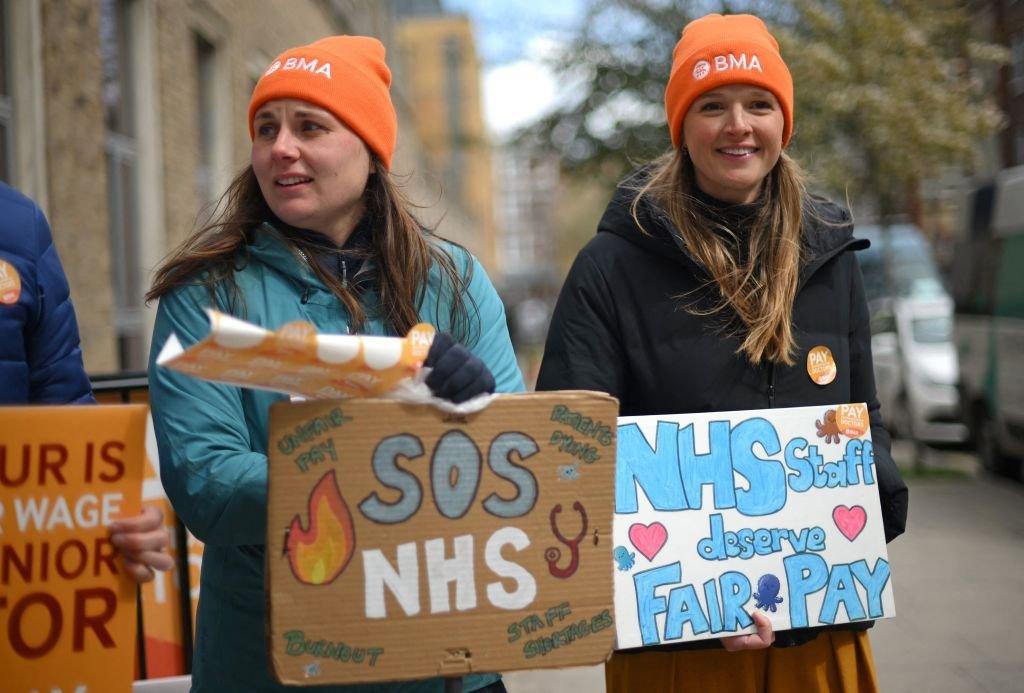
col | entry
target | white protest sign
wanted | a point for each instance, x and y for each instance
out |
(721, 514)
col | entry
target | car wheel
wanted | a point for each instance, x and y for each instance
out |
(900, 418)
(991, 453)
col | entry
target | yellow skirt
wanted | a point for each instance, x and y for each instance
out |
(834, 662)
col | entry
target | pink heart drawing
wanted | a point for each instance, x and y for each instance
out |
(648, 539)
(850, 521)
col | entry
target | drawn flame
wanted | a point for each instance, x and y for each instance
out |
(319, 554)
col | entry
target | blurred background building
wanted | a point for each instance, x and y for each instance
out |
(126, 120)
(529, 192)
(442, 78)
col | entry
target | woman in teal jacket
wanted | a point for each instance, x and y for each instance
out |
(315, 230)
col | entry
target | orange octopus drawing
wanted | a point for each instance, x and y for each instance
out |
(830, 429)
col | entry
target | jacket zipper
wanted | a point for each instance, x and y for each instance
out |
(344, 269)
(771, 385)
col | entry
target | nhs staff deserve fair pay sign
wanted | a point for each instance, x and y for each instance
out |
(718, 515)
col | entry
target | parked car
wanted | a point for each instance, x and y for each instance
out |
(988, 288)
(916, 369)
(916, 365)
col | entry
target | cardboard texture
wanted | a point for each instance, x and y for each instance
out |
(718, 515)
(405, 543)
(297, 360)
(67, 609)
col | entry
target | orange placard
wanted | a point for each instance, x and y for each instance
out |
(195, 569)
(162, 624)
(162, 627)
(67, 609)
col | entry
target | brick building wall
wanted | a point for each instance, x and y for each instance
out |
(76, 180)
(165, 66)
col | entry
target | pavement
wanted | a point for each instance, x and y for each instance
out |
(959, 587)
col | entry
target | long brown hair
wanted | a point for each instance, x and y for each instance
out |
(401, 249)
(759, 289)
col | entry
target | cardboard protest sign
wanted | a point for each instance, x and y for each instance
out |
(719, 514)
(297, 360)
(67, 609)
(406, 543)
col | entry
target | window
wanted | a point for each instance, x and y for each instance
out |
(122, 183)
(453, 99)
(205, 109)
(6, 104)
(937, 329)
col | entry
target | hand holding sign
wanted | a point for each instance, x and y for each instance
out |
(763, 638)
(142, 540)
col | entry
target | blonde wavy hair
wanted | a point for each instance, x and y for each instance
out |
(760, 289)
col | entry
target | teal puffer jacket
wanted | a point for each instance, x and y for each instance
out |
(212, 441)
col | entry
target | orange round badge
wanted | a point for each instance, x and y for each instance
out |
(10, 283)
(852, 419)
(820, 365)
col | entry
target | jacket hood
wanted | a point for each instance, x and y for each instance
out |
(827, 227)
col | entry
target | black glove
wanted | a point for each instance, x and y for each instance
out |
(457, 374)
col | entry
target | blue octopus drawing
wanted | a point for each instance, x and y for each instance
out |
(767, 594)
(623, 557)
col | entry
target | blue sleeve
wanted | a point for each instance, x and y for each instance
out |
(213, 478)
(52, 344)
(493, 345)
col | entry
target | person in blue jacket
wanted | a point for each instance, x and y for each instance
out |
(41, 356)
(313, 229)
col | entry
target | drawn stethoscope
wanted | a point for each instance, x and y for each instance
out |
(553, 554)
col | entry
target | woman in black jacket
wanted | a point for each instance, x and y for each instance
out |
(712, 276)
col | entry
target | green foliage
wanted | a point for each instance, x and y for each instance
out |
(885, 94)
(887, 91)
(614, 74)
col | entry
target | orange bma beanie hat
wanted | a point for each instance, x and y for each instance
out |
(345, 75)
(716, 50)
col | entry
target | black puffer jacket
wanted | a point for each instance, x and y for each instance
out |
(620, 327)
